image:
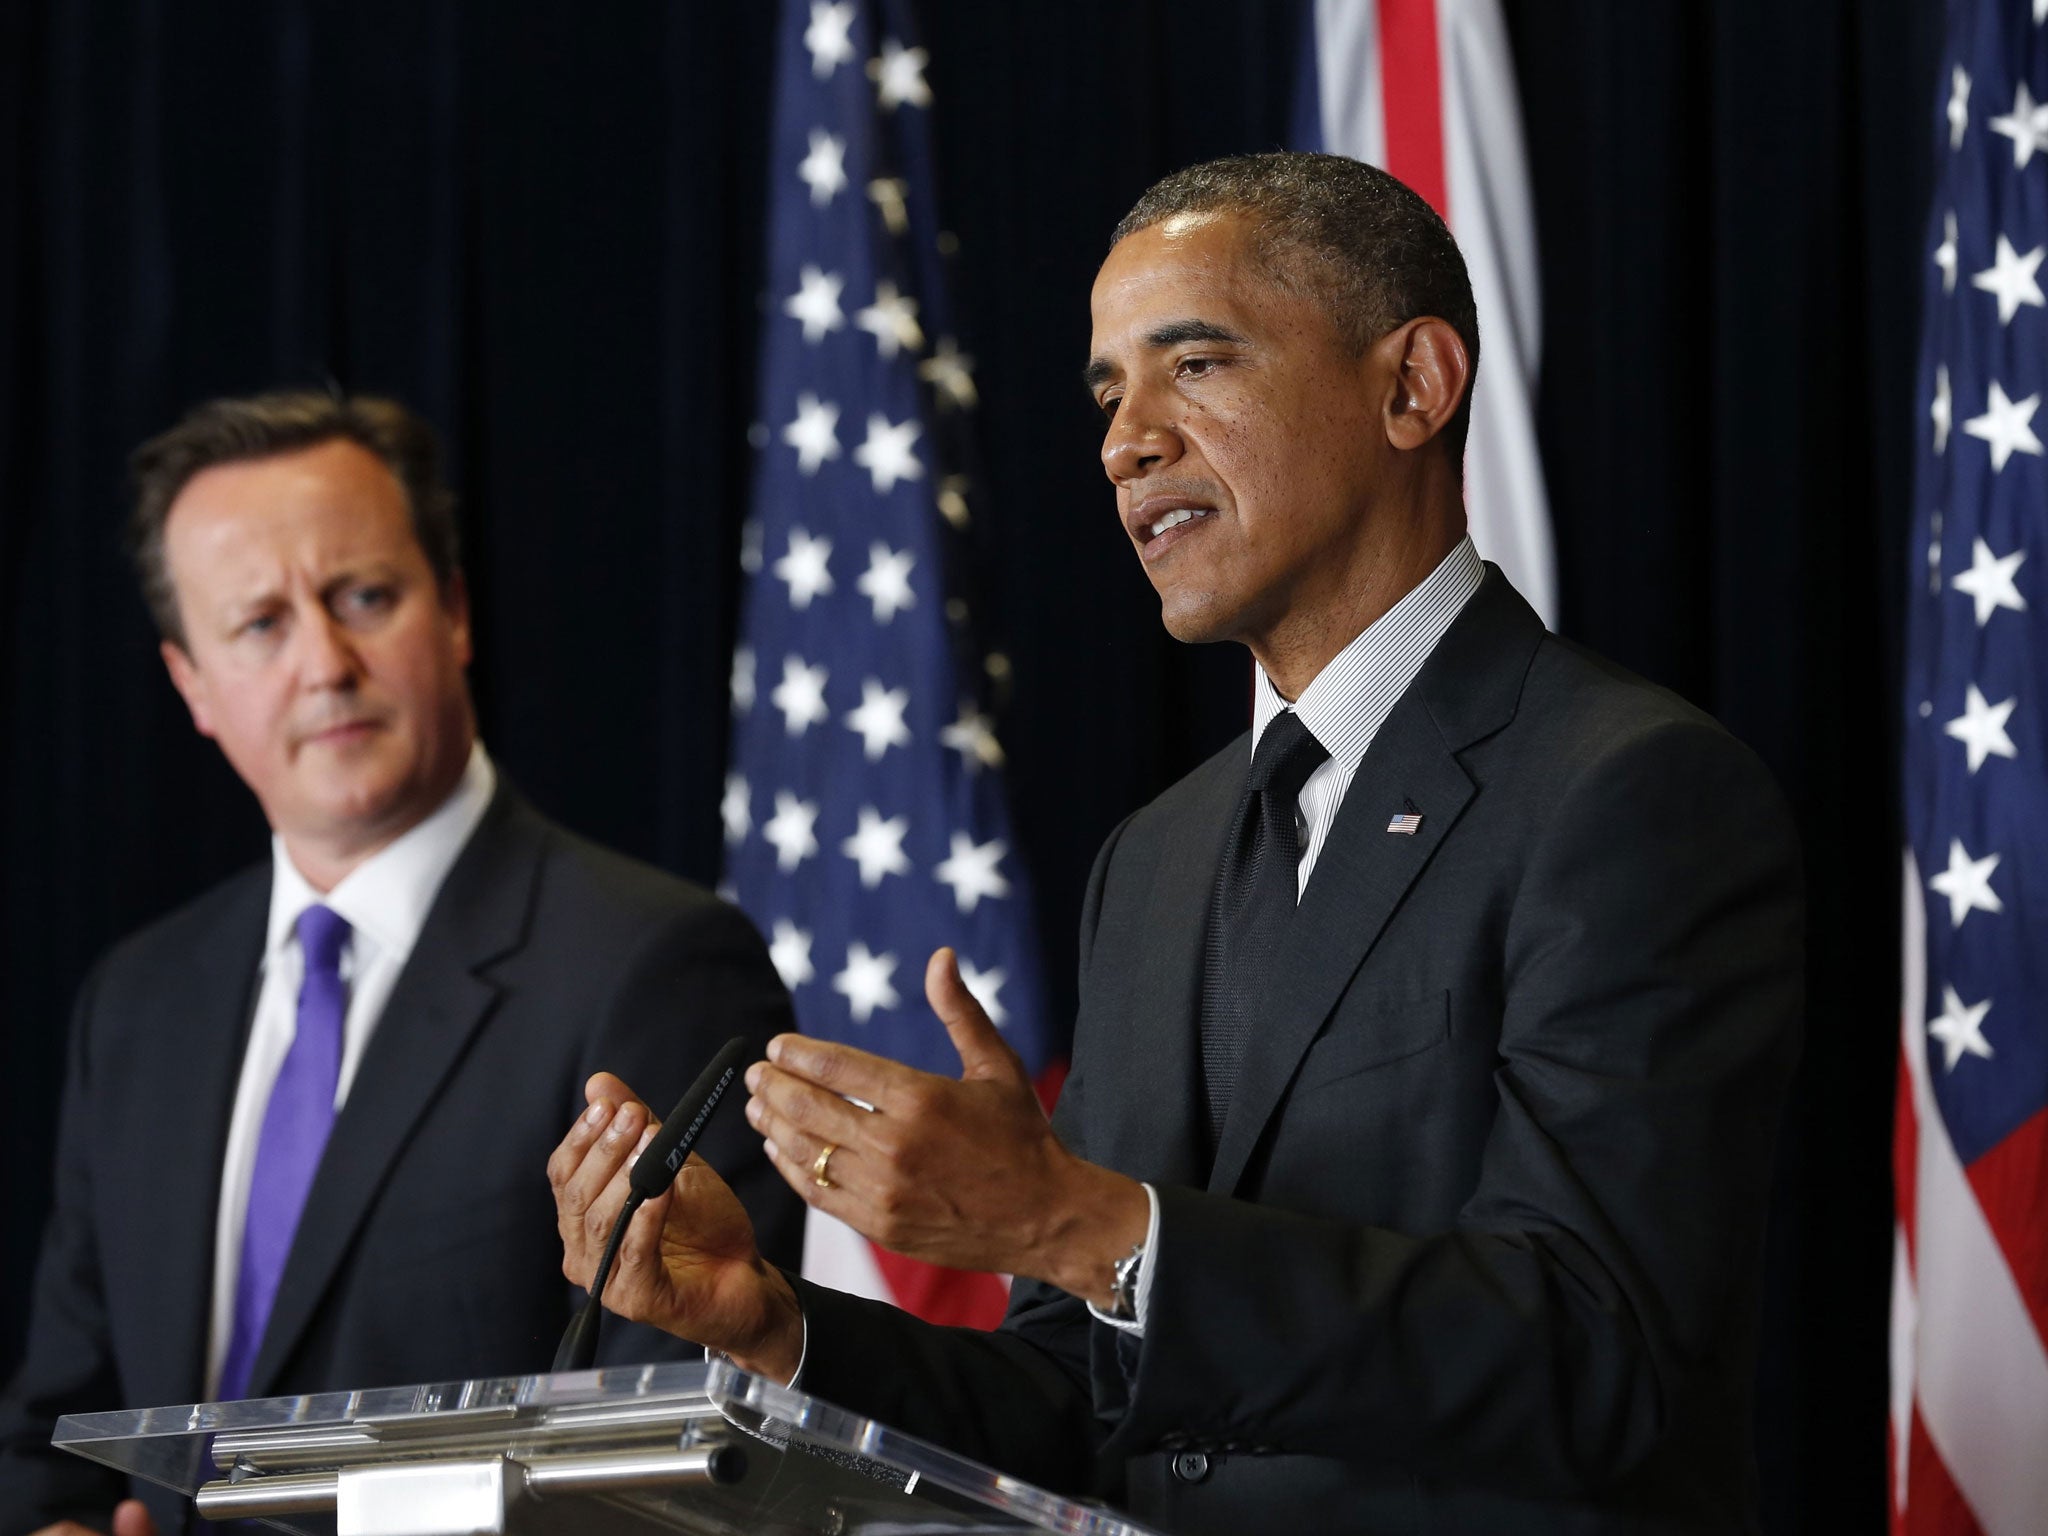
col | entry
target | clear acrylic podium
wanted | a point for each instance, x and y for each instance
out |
(677, 1447)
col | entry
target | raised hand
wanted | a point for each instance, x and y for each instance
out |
(965, 1172)
(688, 1264)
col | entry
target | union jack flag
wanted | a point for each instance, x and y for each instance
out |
(1970, 1295)
(865, 818)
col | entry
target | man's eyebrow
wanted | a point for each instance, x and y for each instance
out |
(1173, 333)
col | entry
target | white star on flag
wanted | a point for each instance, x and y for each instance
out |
(1989, 581)
(877, 846)
(2026, 125)
(892, 321)
(823, 170)
(973, 737)
(800, 695)
(790, 952)
(735, 809)
(971, 871)
(1945, 254)
(1981, 728)
(887, 454)
(1958, 106)
(986, 987)
(1939, 411)
(1960, 1028)
(2010, 278)
(886, 581)
(953, 500)
(806, 567)
(950, 372)
(792, 830)
(814, 434)
(742, 685)
(816, 302)
(829, 37)
(879, 719)
(2005, 426)
(890, 195)
(865, 982)
(1967, 884)
(899, 76)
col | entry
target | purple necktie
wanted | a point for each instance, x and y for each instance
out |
(295, 1127)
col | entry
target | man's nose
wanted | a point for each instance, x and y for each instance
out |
(327, 653)
(1138, 442)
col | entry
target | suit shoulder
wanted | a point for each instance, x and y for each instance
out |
(614, 891)
(1584, 716)
(1222, 773)
(232, 911)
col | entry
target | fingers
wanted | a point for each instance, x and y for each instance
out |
(587, 1174)
(983, 1050)
(132, 1518)
(608, 1087)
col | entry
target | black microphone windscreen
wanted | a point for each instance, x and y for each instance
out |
(657, 1165)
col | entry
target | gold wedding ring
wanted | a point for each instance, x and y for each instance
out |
(819, 1175)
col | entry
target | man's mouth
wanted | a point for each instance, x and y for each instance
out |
(1175, 518)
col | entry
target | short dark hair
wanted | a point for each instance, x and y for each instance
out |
(1346, 231)
(229, 431)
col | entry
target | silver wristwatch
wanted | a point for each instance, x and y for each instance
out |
(1123, 1289)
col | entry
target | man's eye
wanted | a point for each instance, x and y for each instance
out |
(1109, 403)
(262, 624)
(1195, 367)
(369, 599)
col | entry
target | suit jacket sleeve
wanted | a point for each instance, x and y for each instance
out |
(1651, 984)
(68, 1365)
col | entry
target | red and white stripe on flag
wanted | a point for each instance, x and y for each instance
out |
(1425, 89)
(1969, 1400)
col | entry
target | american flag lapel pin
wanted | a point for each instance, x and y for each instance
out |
(1407, 821)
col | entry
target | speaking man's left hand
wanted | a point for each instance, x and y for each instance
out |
(964, 1172)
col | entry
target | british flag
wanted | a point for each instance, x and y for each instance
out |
(865, 817)
(1970, 1296)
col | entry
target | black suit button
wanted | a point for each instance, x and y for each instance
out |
(1191, 1466)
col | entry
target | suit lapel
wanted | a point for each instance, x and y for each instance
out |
(171, 1207)
(1466, 690)
(437, 1005)
(1149, 1119)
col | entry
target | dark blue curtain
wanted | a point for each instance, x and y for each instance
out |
(538, 222)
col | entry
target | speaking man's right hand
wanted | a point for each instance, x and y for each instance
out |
(688, 1264)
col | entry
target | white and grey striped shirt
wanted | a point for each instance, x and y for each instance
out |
(1347, 702)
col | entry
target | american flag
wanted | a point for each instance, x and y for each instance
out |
(1969, 1405)
(1425, 90)
(865, 819)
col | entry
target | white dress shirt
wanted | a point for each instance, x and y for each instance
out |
(385, 900)
(1344, 707)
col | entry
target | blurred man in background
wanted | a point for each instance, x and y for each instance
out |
(305, 1115)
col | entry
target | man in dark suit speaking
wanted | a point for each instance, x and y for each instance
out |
(1432, 1039)
(305, 1116)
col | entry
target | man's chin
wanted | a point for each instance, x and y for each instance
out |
(1198, 622)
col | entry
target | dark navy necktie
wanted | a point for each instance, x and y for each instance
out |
(1254, 900)
(295, 1127)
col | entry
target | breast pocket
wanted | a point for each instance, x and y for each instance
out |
(1372, 1032)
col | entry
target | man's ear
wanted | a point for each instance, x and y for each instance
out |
(1431, 370)
(191, 686)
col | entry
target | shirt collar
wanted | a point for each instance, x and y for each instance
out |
(1347, 702)
(386, 897)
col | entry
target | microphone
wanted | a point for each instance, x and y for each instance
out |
(650, 1175)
